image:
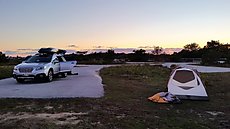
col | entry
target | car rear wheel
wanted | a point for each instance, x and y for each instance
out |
(50, 76)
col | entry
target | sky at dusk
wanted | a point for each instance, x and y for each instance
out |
(27, 25)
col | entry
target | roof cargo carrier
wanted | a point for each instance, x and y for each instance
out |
(60, 51)
(48, 50)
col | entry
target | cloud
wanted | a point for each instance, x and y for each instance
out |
(21, 52)
(124, 50)
(70, 51)
(97, 47)
(146, 47)
(104, 47)
(171, 50)
(28, 53)
(27, 49)
(72, 46)
(10, 52)
(111, 47)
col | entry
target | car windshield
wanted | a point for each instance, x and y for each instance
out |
(39, 59)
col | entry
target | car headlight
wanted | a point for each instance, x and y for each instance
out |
(15, 68)
(40, 68)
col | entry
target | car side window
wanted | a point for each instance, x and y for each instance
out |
(60, 59)
(63, 59)
(55, 61)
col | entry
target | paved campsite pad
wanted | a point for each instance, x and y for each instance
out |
(86, 84)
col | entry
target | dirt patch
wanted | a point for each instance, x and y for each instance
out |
(63, 118)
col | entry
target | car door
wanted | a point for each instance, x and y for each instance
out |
(63, 64)
(56, 65)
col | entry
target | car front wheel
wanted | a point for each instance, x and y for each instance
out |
(50, 76)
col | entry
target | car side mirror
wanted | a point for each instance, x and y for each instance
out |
(55, 62)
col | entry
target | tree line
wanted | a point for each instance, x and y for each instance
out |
(110, 56)
(2, 57)
(212, 53)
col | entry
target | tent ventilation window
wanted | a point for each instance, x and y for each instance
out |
(184, 76)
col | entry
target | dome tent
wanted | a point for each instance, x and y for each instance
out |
(186, 84)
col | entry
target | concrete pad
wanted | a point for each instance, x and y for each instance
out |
(86, 84)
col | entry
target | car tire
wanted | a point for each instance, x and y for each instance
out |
(20, 80)
(50, 76)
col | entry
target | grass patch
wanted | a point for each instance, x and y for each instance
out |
(125, 104)
(6, 71)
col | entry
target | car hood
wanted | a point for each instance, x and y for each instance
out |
(31, 64)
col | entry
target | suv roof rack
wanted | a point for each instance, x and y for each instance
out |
(51, 51)
(48, 50)
(61, 51)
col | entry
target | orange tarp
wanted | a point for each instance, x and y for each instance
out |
(157, 98)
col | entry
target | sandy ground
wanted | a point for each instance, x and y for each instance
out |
(86, 84)
(202, 69)
(64, 118)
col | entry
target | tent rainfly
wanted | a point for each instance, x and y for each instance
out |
(186, 84)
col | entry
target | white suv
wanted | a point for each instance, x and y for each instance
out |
(40, 66)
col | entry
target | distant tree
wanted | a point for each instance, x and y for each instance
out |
(175, 57)
(139, 55)
(192, 47)
(157, 50)
(215, 51)
(140, 51)
(109, 55)
(110, 51)
(211, 56)
(228, 57)
(212, 44)
(81, 52)
(2, 57)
